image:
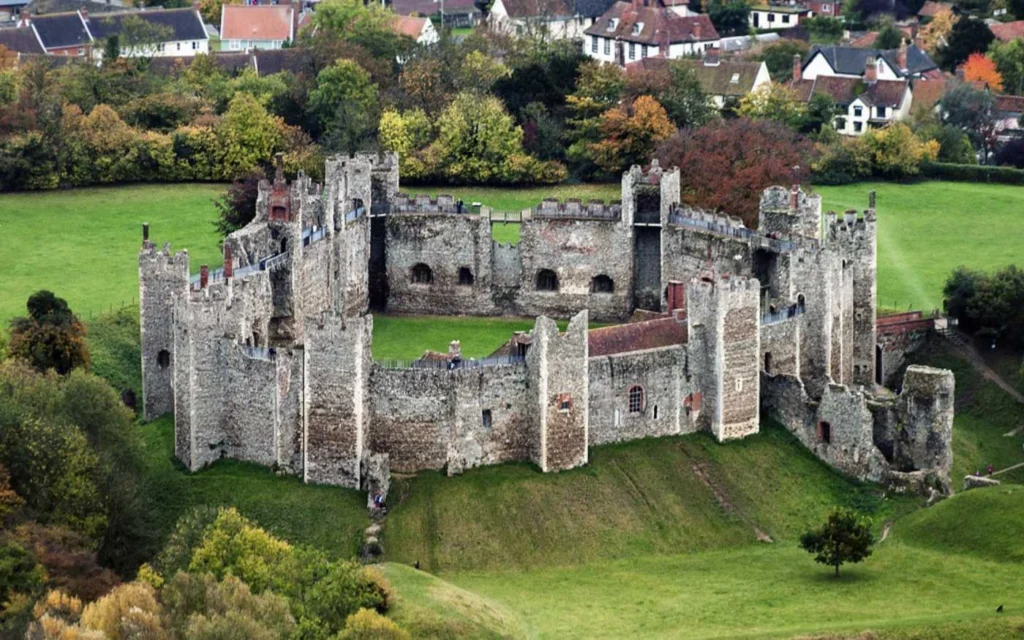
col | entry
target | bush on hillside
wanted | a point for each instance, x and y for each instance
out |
(988, 303)
(367, 624)
(51, 336)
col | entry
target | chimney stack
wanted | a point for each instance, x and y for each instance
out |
(677, 300)
(794, 197)
(145, 232)
(871, 70)
(229, 267)
(204, 276)
(797, 67)
(901, 56)
(696, 30)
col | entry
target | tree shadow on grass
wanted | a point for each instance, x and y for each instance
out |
(847, 576)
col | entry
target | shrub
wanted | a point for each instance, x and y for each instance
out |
(367, 624)
(200, 607)
(128, 611)
(972, 173)
(51, 336)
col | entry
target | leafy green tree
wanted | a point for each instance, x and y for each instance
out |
(476, 138)
(51, 337)
(954, 144)
(896, 152)
(730, 18)
(200, 607)
(233, 545)
(247, 136)
(844, 538)
(139, 37)
(630, 133)
(479, 71)
(889, 36)
(824, 29)
(344, 104)
(237, 207)
(967, 36)
(1009, 59)
(778, 57)
(365, 24)
(820, 112)
(773, 101)
(972, 111)
(684, 99)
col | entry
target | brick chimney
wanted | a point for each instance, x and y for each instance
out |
(871, 70)
(204, 276)
(229, 267)
(794, 197)
(901, 56)
(797, 67)
(677, 299)
(696, 30)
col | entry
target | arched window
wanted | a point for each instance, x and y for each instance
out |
(824, 432)
(602, 284)
(163, 358)
(768, 362)
(636, 399)
(547, 280)
(465, 276)
(421, 274)
(284, 244)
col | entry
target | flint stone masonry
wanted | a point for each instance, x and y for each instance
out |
(270, 359)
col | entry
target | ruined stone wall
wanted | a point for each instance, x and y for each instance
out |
(788, 212)
(688, 253)
(411, 417)
(815, 276)
(895, 346)
(446, 244)
(558, 366)
(314, 282)
(577, 251)
(290, 401)
(352, 251)
(161, 277)
(854, 237)
(507, 270)
(250, 413)
(337, 372)
(926, 410)
(660, 375)
(780, 346)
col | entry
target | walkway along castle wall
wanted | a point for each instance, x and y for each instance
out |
(269, 359)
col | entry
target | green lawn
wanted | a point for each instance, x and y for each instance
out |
(327, 517)
(83, 244)
(925, 230)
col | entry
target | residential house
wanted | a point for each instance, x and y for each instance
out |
(186, 34)
(778, 15)
(682, 7)
(1007, 112)
(826, 8)
(640, 29)
(864, 101)
(930, 9)
(419, 29)
(555, 18)
(10, 10)
(723, 80)
(244, 27)
(21, 41)
(450, 13)
(851, 62)
(1007, 31)
(61, 34)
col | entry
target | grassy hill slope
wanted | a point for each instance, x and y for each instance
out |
(658, 496)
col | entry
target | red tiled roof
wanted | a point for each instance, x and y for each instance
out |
(262, 22)
(408, 26)
(888, 93)
(637, 336)
(1008, 31)
(930, 9)
(928, 93)
(657, 25)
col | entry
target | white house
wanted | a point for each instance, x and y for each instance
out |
(864, 102)
(563, 19)
(186, 33)
(244, 27)
(419, 29)
(851, 62)
(782, 15)
(631, 31)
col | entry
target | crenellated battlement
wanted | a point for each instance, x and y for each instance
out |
(422, 203)
(575, 208)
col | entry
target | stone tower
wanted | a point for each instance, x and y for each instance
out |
(854, 238)
(790, 212)
(558, 365)
(647, 199)
(724, 328)
(162, 276)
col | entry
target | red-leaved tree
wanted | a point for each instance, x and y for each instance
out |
(726, 165)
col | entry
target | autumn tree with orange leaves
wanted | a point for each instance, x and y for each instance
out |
(630, 133)
(981, 68)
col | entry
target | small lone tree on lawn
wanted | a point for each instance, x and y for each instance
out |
(843, 538)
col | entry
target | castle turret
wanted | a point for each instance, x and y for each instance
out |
(647, 199)
(162, 276)
(790, 212)
(725, 348)
(560, 375)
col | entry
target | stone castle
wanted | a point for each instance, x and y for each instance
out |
(269, 358)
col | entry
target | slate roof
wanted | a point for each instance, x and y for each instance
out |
(593, 9)
(1007, 31)
(256, 22)
(658, 24)
(184, 24)
(637, 336)
(888, 93)
(60, 30)
(271, 61)
(851, 60)
(21, 40)
(13, 3)
(430, 7)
